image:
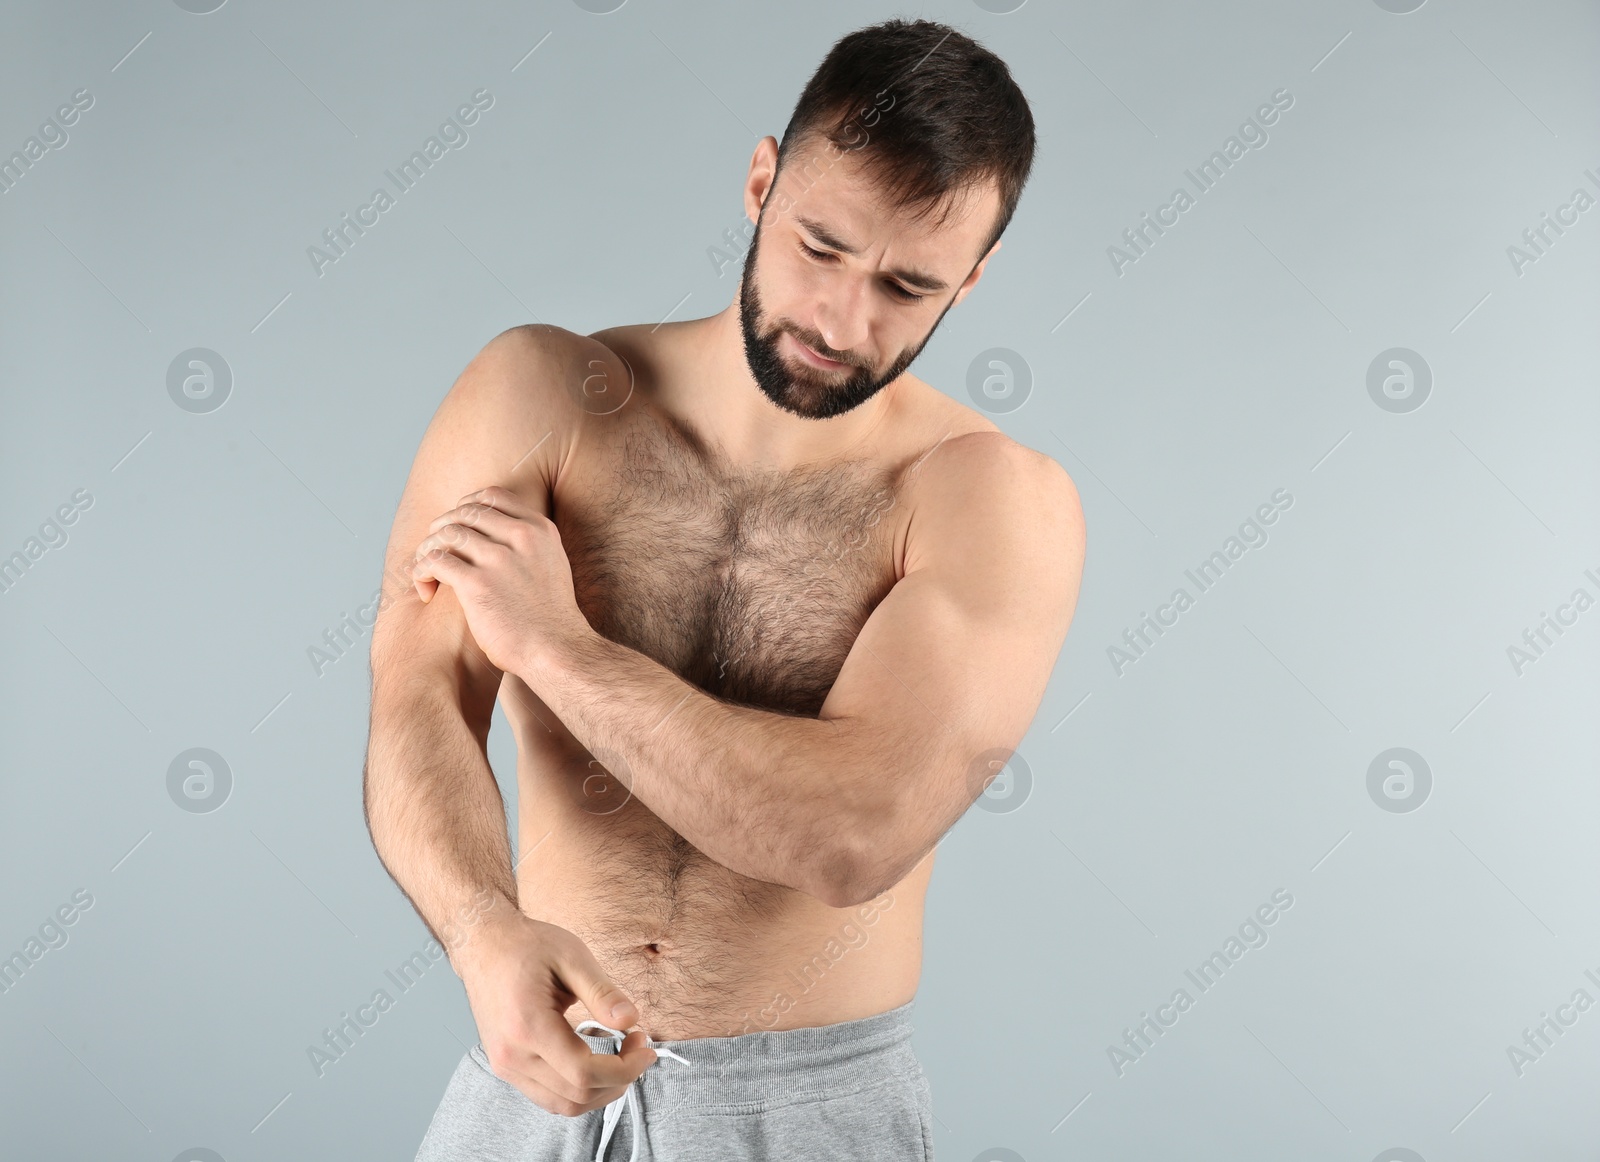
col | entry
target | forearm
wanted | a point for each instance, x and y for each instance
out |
(436, 816)
(757, 791)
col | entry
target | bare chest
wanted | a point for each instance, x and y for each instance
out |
(752, 587)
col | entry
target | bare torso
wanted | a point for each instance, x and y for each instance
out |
(752, 587)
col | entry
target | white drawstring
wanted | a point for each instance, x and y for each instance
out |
(614, 1109)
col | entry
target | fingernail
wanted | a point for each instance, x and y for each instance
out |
(622, 1011)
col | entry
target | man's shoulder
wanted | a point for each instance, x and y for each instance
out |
(970, 457)
(987, 472)
(974, 483)
(529, 388)
(560, 371)
(512, 418)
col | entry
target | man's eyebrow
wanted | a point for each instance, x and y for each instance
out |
(916, 278)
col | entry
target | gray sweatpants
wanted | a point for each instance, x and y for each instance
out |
(845, 1091)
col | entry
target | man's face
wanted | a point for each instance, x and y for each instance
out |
(880, 305)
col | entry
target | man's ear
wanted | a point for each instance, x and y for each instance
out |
(977, 273)
(763, 172)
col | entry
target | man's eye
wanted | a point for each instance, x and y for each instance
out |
(895, 288)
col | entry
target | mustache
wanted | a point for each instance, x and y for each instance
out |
(822, 349)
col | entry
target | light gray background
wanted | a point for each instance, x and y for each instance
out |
(1168, 802)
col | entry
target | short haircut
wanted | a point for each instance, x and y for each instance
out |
(931, 110)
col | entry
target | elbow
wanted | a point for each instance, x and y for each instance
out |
(849, 877)
(840, 893)
(855, 846)
(828, 871)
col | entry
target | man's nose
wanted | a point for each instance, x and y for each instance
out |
(841, 318)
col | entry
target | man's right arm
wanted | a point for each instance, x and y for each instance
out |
(432, 805)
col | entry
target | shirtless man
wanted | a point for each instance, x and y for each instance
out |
(765, 614)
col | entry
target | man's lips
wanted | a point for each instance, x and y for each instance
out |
(812, 357)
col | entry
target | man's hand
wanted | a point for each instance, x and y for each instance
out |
(521, 975)
(506, 564)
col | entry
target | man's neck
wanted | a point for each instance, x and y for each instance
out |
(713, 390)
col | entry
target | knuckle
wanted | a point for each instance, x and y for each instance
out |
(567, 1091)
(498, 1058)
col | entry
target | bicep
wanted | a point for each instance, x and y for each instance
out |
(947, 673)
(500, 424)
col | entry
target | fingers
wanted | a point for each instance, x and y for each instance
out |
(585, 1097)
(581, 973)
(519, 999)
(502, 499)
(576, 1064)
(490, 520)
(582, 976)
(490, 516)
(444, 556)
(467, 543)
(548, 1089)
(575, 1084)
(436, 566)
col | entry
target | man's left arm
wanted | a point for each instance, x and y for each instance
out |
(938, 688)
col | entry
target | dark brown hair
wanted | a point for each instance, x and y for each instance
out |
(933, 112)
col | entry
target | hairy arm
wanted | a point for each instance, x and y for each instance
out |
(433, 808)
(432, 805)
(938, 688)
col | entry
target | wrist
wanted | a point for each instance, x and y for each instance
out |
(546, 660)
(479, 931)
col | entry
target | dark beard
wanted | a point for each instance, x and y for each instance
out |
(812, 394)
